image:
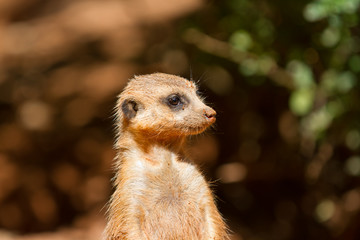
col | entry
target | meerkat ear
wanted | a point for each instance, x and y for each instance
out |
(129, 108)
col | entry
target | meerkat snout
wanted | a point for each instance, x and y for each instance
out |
(210, 114)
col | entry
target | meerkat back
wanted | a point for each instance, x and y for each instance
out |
(158, 193)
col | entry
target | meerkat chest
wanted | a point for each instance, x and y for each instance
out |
(173, 203)
(170, 197)
(174, 185)
(161, 178)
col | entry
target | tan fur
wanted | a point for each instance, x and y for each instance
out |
(158, 194)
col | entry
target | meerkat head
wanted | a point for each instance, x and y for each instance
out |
(163, 105)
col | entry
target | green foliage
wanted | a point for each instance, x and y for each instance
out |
(334, 83)
(320, 9)
(352, 166)
(322, 65)
(301, 74)
(241, 40)
(301, 101)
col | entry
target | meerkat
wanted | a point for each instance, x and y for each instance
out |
(159, 195)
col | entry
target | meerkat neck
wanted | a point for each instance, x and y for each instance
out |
(155, 152)
(128, 141)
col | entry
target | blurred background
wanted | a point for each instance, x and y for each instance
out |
(284, 155)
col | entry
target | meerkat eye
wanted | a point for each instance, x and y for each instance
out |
(198, 93)
(174, 100)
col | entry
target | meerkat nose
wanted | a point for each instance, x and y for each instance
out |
(210, 114)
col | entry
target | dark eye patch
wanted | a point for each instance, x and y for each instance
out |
(175, 101)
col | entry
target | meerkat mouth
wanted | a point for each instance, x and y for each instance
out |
(198, 129)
